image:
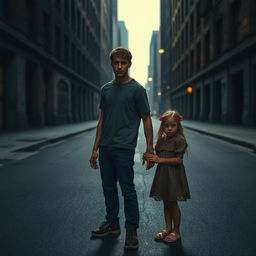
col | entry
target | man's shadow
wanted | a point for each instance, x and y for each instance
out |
(107, 246)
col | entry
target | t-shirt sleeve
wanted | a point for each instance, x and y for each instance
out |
(180, 147)
(141, 101)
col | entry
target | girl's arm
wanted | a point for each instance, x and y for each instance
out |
(157, 159)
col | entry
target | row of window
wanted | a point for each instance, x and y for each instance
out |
(216, 39)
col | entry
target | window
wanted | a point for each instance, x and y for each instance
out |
(73, 15)
(57, 42)
(192, 27)
(83, 30)
(198, 59)
(29, 18)
(78, 24)
(66, 50)
(58, 5)
(186, 36)
(236, 21)
(219, 36)
(46, 31)
(198, 18)
(66, 9)
(191, 63)
(73, 56)
(207, 48)
(186, 7)
(3, 9)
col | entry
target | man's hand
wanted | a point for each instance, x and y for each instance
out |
(93, 160)
(152, 158)
(149, 164)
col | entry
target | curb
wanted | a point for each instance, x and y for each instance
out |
(225, 138)
(38, 145)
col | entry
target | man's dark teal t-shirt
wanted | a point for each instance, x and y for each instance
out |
(122, 106)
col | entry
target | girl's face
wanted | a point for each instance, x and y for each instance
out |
(170, 127)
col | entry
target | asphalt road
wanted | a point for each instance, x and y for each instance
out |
(52, 200)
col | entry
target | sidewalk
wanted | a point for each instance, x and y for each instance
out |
(236, 134)
(29, 140)
(11, 143)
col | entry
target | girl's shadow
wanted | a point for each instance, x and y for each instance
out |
(175, 249)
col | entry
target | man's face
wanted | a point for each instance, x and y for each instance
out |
(120, 66)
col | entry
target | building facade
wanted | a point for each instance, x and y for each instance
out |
(153, 85)
(50, 61)
(165, 54)
(123, 35)
(214, 52)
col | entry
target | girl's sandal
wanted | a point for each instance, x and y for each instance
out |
(172, 237)
(161, 235)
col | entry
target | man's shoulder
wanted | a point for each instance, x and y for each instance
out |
(137, 85)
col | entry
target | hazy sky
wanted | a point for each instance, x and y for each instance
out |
(141, 17)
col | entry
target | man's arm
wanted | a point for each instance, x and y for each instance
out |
(148, 131)
(94, 156)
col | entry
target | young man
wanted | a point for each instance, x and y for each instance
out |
(123, 104)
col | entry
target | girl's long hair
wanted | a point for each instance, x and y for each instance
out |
(177, 118)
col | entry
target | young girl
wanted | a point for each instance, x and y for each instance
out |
(170, 182)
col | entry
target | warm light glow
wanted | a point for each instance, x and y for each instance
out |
(150, 79)
(189, 89)
(140, 26)
(159, 94)
(161, 51)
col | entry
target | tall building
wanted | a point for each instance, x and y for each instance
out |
(50, 60)
(115, 28)
(214, 52)
(123, 34)
(165, 54)
(153, 86)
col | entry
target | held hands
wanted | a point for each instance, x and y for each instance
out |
(151, 157)
(150, 164)
(93, 160)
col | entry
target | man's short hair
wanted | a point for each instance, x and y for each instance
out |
(120, 52)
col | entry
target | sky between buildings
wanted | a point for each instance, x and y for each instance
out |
(141, 17)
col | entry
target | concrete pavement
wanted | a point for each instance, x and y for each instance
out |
(11, 143)
(237, 134)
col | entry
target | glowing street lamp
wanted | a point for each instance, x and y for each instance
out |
(150, 79)
(159, 94)
(189, 89)
(161, 51)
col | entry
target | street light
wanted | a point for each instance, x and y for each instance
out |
(161, 51)
(189, 89)
(150, 79)
(159, 94)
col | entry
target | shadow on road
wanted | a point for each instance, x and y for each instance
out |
(107, 245)
(176, 249)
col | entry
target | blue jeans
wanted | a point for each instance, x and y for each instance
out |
(117, 164)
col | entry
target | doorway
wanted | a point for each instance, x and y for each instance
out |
(2, 98)
(237, 97)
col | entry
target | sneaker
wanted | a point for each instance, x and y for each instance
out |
(131, 239)
(107, 228)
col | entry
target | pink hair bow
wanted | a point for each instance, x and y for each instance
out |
(161, 118)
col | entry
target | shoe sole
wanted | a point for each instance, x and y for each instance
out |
(114, 232)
